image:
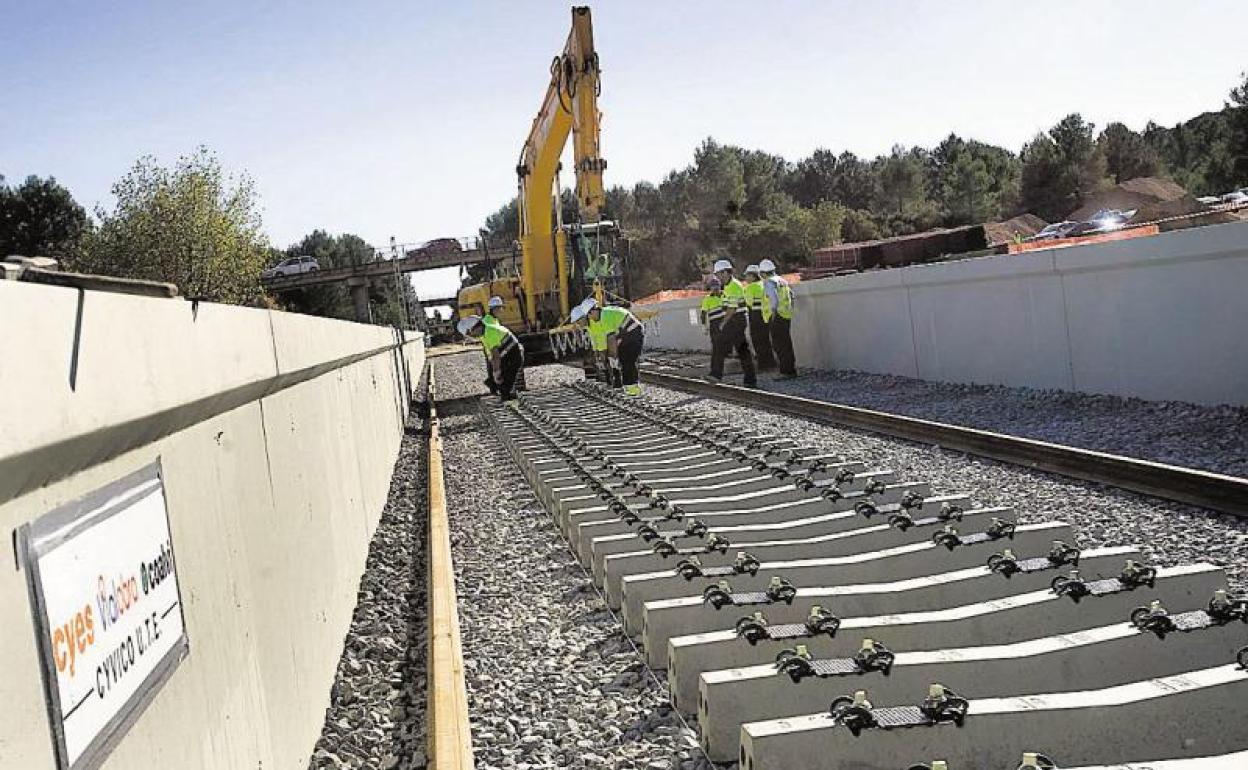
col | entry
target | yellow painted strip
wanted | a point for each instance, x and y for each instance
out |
(449, 736)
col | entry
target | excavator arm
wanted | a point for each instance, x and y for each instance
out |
(570, 105)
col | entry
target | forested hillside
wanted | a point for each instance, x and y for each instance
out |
(749, 204)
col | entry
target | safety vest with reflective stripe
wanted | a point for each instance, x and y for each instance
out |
(597, 339)
(734, 294)
(712, 309)
(754, 299)
(617, 320)
(498, 337)
(612, 320)
(784, 294)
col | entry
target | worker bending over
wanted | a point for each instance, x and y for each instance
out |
(731, 335)
(489, 318)
(624, 339)
(503, 351)
(607, 371)
(778, 313)
(712, 310)
(759, 332)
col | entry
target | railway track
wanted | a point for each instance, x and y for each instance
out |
(1214, 491)
(809, 611)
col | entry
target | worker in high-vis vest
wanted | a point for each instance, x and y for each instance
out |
(606, 370)
(624, 336)
(494, 304)
(502, 349)
(778, 312)
(760, 335)
(712, 309)
(731, 336)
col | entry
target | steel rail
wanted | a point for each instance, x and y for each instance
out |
(449, 742)
(1228, 494)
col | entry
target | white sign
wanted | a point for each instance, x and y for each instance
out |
(104, 590)
(694, 318)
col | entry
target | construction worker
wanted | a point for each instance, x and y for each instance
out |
(502, 350)
(731, 336)
(494, 303)
(778, 313)
(624, 339)
(712, 309)
(607, 373)
(759, 332)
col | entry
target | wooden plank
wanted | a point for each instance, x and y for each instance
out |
(449, 742)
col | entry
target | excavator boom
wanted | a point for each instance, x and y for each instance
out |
(570, 106)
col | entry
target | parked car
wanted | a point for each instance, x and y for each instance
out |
(1237, 198)
(292, 266)
(1209, 200)
(1054, 231)
(441, 246)
(1103, 221)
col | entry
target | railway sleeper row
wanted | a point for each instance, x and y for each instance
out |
(811, 612)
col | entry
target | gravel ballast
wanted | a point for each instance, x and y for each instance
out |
(376, 716)
(552, 680)
(1213, 438)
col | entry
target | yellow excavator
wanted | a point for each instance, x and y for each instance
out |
(560, 262)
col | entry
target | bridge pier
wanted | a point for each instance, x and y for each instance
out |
(359, 298)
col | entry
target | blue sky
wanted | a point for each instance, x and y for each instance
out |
(405, 118)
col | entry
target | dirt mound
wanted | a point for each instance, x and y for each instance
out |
(1143, 193)
(1022, 226)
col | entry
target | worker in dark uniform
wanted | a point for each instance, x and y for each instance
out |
(731, 337)
(624, 337)
(760, 334)
(502, 350)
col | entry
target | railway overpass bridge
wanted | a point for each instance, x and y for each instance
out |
(430, 256)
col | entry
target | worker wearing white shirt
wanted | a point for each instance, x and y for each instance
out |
(778, 313)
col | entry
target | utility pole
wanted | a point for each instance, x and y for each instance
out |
(398, 283)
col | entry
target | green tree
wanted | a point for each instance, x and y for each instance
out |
(1063, 168)
(39, 218)
(1045, 190)
(902, 187)
(191, 225)
(973, 182)
(1238, 144)
(1127, 154)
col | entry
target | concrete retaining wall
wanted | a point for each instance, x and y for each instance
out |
(277, 433)
(1163, 318)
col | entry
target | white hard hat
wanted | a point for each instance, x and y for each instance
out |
(751, 269)
(588, 304)
(767, 266)
(578, 313)
(495, 302)
(467, 323)
(721, 264)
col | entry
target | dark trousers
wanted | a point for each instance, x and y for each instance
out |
(731, 337)
(629, 353)
(782, 343)
(760, 336)
(511, 365)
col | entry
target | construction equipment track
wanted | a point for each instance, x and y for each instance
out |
(785, 589)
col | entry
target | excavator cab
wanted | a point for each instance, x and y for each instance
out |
(597, 254)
